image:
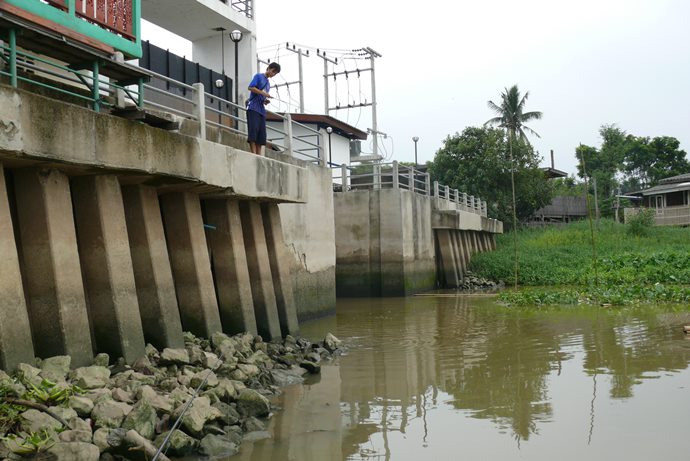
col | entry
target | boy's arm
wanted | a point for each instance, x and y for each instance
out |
(254, 89)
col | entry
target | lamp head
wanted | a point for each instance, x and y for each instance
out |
(220, 83)
(236, 35)
(329, 130)
(415, 138)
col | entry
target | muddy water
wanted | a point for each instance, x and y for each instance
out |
(463, 378)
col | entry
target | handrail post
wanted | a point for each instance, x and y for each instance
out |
(464, 201)
(411, 180)
(427, 184)
(377, 175)
(447, 192)
(287, 128)
(456, 194)
(396, 172)
(13, 58)
(436, 189)
(324, 150)
(199, 111)
(119, 94)
(470, 205)
(72, 7)
(96, 91)
(343, 180)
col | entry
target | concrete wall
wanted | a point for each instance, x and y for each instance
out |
(384, 243)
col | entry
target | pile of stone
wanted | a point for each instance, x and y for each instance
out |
(472, 282)
(219, 386)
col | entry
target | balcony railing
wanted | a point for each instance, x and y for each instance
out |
(115, 23)
(667, 216)
(245, 7)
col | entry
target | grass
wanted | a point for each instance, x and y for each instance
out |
(631, 268)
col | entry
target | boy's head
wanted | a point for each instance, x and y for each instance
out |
(273, 69)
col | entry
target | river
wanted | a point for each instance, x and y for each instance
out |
(461, 377)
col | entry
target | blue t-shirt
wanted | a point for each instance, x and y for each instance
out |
(256, 101)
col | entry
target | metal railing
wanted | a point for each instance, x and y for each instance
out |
(192, 102)
(396, 176)
(83, 83)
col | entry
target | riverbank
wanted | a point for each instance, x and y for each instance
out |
(557, 267)
(217, 388)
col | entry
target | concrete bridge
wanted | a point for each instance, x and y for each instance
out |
(397, 235)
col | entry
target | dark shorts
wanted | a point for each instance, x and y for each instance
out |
(256, 128)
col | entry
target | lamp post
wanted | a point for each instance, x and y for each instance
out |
(236, 36)
(415, 139)
(329, 130)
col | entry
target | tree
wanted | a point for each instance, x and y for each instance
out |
(512, 118)
(648, 161)
(475, 162)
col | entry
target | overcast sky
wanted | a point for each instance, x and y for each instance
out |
(584, 64)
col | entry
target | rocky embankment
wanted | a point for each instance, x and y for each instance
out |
(120, 412)
(472, 282)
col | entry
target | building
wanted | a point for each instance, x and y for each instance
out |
(670, 200)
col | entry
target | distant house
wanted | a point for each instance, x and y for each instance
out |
(562, 208)
(670, 199)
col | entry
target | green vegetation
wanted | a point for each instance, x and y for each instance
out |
(556, 263)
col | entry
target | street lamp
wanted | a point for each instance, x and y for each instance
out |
(329, 130)
(415, 139)
(236, 36)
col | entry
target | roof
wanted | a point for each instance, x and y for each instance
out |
(323, 121)
(554, 173)
(676, 179)
(667, 188)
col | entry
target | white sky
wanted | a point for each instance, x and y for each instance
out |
(584, 63)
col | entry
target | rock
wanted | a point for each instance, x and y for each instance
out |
(180, 395)
(142, 419)
(196, 355)
(311, 367)
(109, 413)
(152, 353)
(211, 361)
(144, 366)
(179, 444)
(56, 368)
(79, 424)
(121, 395)
(239, 375)
(331, 343)
(93, 377)
(233, 434)
(225, 390)
(174, 356)
(76, 436)
(216, 446)
(256, 436)
(289, 377)
(13, 387)
(66, 413)
(107, 457)
(219, 338)
(198, 414)
(100, 438)
(102, 360)
(253, 424)
(230, 416)
(29, 374)
(314, 357)
(199, 377)
(98, 395)
(82, 405)
(249, 370)
(251, 403)
(161, 403)
(214, 429)
(258, 358)
(35, 421)
(74, 451)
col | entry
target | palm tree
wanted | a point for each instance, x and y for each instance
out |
(512, 117)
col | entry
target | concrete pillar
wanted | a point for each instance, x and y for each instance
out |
(107, 264)
(50, 260)
(459, 258)
(475, 240)
(467, 240)
(191, 266)
(15, 335)
(230, 266)
(446, 249)
(280, 269)
(265, 306)
(493, 241)
(160, 316)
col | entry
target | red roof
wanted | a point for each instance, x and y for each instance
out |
(323, 121)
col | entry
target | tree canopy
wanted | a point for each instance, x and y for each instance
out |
(475, 162)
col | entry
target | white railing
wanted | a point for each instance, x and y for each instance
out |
(667, 216)
(396, 176)
(192, 102)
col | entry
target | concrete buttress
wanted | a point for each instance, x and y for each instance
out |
(15, 336)
(229, 259)
(265, 306)
(107, 264)
(191, 266)
(50, 263)
(158, 309)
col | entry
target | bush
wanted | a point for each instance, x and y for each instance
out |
(640, 223)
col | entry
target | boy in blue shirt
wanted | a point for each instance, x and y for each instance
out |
(256, 112)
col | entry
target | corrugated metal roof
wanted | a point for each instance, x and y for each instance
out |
(667, 188)
(676, 179)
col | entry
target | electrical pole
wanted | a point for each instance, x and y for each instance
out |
(326, 60)
(374, 125)
(300, 53)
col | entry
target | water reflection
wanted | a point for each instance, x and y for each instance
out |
(422, 369)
